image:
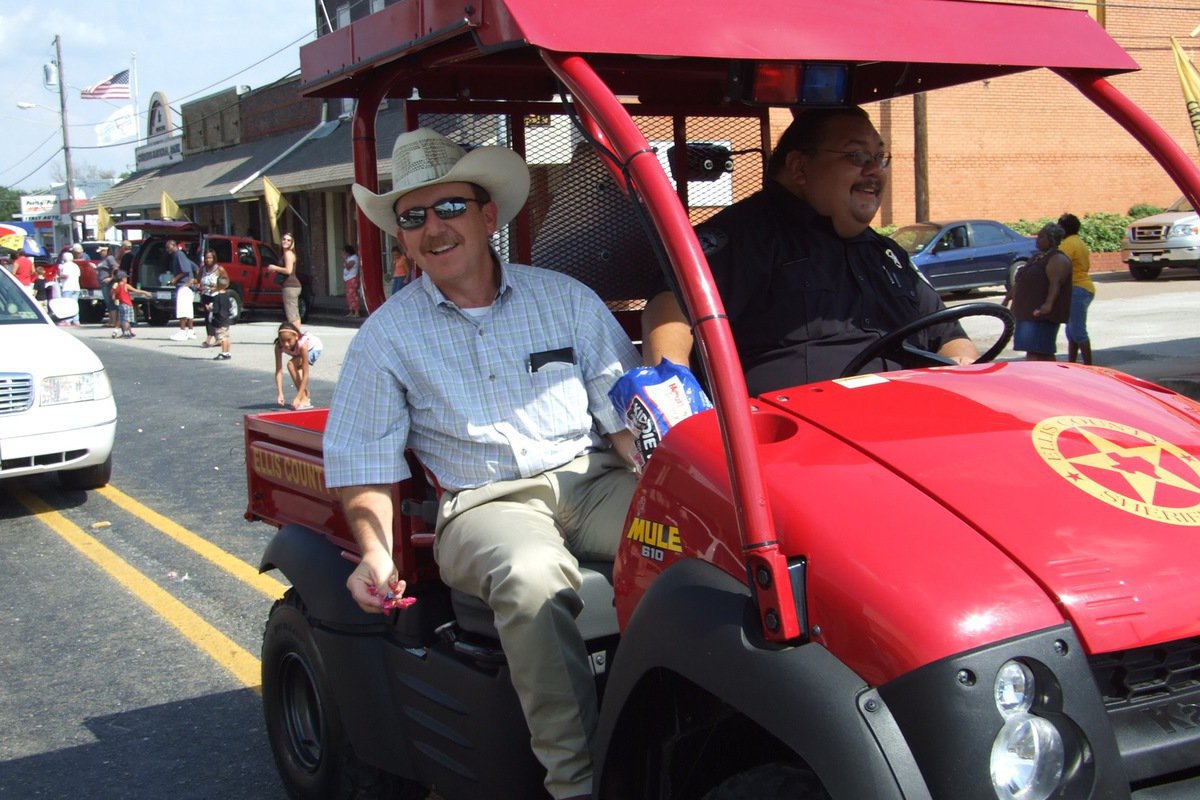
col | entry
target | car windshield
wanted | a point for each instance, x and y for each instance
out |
(1181, 204)
(915, 238)
(16, 306)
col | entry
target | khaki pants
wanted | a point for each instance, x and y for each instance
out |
(515, 544)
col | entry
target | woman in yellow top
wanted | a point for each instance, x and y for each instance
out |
(1082, 289)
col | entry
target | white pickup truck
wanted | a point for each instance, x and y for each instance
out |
(1169, 239)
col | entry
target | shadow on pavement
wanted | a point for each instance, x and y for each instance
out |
(179, 750)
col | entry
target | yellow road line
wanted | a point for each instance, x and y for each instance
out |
(226, 652)
(239, 569)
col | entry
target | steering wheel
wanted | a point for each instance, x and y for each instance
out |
(894, 348)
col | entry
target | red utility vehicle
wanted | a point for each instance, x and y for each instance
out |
(251, 284)
(969, 582)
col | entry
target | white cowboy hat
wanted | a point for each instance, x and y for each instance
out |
(425, 158)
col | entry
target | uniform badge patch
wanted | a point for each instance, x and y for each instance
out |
(712, 240)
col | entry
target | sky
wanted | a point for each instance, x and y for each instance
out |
(184, 50)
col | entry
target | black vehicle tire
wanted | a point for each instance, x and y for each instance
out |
(92, 477)
(236, 305)
(1140, 273)
(771, 782)
(159, 315)
(304, 305)
(1012, 273)
(90, 313)
(312, 751)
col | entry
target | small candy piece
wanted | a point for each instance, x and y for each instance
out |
(389, 601)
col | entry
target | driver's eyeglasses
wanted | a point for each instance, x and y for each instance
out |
(446, 208)
(861, 158)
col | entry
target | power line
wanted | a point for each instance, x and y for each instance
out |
(39, 166)
(26, 158)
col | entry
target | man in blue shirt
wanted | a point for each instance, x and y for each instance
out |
(183, 276)
(496, 376)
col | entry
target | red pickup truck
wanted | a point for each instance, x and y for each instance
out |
(964, 582)
(252, 285)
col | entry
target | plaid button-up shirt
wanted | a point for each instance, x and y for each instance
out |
(509, 392)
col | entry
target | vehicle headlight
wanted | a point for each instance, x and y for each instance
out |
(1028, 753)
(1014, 688)
(59, 389)
(1027, 759)
(1185, 229)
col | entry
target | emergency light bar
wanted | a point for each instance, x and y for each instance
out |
(806, 84)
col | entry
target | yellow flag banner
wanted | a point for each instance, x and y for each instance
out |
(276, 205)
(103, 221)
(169, 209)
(1190, 80)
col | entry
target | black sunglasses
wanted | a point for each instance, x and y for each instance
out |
(446, 208)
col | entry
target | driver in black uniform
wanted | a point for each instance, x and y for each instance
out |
(805, 281)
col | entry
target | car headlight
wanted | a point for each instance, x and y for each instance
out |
(1027, 759)
(1013, 688)
(1028, 754)
(1185, 229)
(59, 389)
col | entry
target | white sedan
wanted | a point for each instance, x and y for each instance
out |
(56, 406)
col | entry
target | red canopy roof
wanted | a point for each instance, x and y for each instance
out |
(899, 46)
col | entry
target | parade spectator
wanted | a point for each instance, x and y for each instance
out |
(23, 269)
(1041, 297)
(122, 293)
(301, 351)
(222, 316)
(106, 269)
(68, 281)
(288, 279)
(350, 267)
(210, 274)
(1083, 289)
(401, 268)
(183, 278)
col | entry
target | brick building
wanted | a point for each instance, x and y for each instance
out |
(1029, 145)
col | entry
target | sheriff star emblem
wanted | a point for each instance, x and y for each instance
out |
(1127, 468)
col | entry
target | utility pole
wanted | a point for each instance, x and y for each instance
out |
(920, 157)
(66, 137)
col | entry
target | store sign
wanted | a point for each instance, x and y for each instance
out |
(164, 144)
(39, 206)
(159, 153)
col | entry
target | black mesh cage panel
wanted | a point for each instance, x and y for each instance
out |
(581, 218)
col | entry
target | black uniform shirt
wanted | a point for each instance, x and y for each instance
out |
(802, 301)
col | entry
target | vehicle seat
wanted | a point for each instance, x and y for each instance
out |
(591, 231)
(597, 619)
(959, 237)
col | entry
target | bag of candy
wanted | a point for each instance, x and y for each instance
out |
(653, 399)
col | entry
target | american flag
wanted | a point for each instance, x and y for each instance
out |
(114, 88)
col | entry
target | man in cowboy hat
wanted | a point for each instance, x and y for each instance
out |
(496, 376)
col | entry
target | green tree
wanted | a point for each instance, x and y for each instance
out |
(10, 203)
